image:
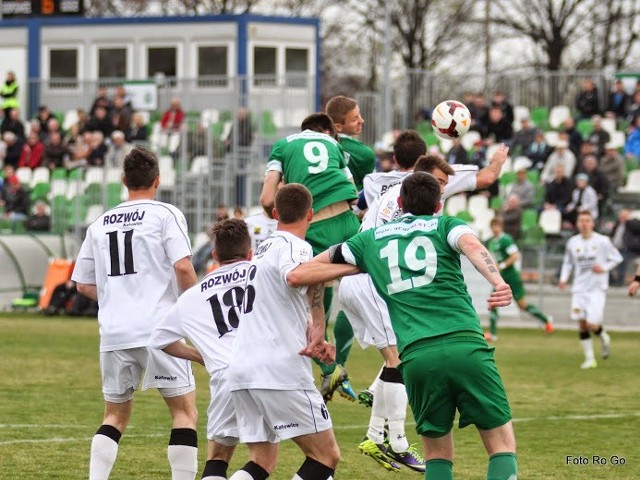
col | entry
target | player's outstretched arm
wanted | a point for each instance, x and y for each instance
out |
(180, 349)
(319, 270)
(269, 189)
(88, 290)
(185, 273)
(480, 257)
(491, 172)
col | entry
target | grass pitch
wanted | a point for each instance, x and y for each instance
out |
(570, 424)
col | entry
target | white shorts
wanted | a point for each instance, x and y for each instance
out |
(122, 372)
(222, 425)
(367, 311)
(275, 415)
(588, 306)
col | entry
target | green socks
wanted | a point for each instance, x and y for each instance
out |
(343, 334)
(439, 469)
(536, 312)
(502, 466)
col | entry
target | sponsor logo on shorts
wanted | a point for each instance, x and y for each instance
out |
(285, 426)
(171, 378)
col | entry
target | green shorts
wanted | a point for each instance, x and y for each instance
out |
(512, 277)
(332, 231)
(455, 371)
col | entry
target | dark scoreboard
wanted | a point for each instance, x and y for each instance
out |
(36, 8)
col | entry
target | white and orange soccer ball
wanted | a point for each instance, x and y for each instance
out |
(450, 119)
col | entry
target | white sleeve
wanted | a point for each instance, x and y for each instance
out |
(465, 180)
(291, 255)
(84, 270)
(347, 173)
(456, 232)
(169, 330)
(614, 258)
(348, 255)
(274, 165)
(567, 264)
(175, 238)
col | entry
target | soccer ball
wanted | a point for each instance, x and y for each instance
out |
(450, 119)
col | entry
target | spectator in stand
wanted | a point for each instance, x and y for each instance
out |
(53, 125)
(632, 145)
(13, 149)
(100, 122)
(40, 221)
(625, 236)
(613, 168)
(98, 149)
(558, 191)
(523, 138)
(121, 92)
(523, 188)
(12, 123)
(500, 100)
(83, 118)
(634, 109)
(32, 152)
(56, 153)
(121, 115)
(575, 137)
(72, 136)
(583, 197)
(539, 151)
(44, 115)
(560, 156)
(457, 154)
(598, 136)
(15, 200)
(9, 94)
(512, 216)
(245, 130)
(499, 127)
(138, 131)
(118, 149)
(172, 118)
(619, 101)
(587, 101)
(480, 117)
(79, 152)
(101, 100)
(597, 180)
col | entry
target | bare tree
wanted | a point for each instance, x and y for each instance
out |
(168, 7)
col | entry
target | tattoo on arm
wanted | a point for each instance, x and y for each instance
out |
(316, 296)
(491, 265)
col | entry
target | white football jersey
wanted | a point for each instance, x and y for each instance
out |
(209, 313)
(129, 254)
(374, 185)
(385, 208)
(265, 353)
(260, 227)
(581, 254)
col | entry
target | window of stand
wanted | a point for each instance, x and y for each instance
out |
(271, 64)
(296, 67)
(63, 68)
(163, 60)
(112, 62)
(213, 66)
(265, 66)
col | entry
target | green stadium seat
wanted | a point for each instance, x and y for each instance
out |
(225, 116)
(540, 117)
(496, 202)
(431, 139)
(424, 128)
(59, 174)
(267, 125)
(94, 193)
(585, 127)
(529, 219)
(533, 176)
(40, 191)
(113, 194)
(534, 236)
(76, 211)
(76, 174)
(464, 216)
(59, 213)
(507, 178)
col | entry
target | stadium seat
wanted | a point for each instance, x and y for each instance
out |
(93, 212)
(585, 127)
(297, 116)
(540, 117)
(24, 174)
(74, 189)
(40, 175)
(617, 140)
(520, 112)
(469, 139)
(521, 162)
(445, 144)
(481, 223)
(113, 194)
(550, 221)
(40, 191)
(58, 213)
(633, 182)
(533, 176)
(532, 237)
(551, 138)
(95, 175)
(608, 124)
(59, 174)
(455, 204)
(70, 118)
(507, 178)
(209, 116)
(558, 115)
(431, 139)
(478, 205)
(76, 211)
(199, 165)
(267, 125)
(424, 128)
(464, 216)
(529, 218)
(75, 174)
(496, 202)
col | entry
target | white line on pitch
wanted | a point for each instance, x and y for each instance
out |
(552, 418)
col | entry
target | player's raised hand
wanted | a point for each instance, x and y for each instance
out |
(500, 297)
(500, 155)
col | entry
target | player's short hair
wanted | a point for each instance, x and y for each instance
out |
(428, 163)
(292, 202)
(319, 122)
(231, 239)
(420, 194)
(496, 221)
(338, 107)
(408, 147)
(140, 169)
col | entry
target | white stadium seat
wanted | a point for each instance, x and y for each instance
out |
(633, 182)
(24, 174)
(469, 139)
(40, 175)
(199, 164)
(551, 138)
(609, 124)
(558, 115)
(455, 204)
(478, 205)
(550, 220)
(93, 212)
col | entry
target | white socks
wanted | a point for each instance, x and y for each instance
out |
(587, 347)
(183, 460)
(375, 432)
(395, 399)
(103, 455)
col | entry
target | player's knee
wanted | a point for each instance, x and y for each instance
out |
(331, 456)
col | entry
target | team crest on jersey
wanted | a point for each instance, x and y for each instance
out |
(257, 230)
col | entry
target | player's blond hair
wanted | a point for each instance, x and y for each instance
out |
(338, 107)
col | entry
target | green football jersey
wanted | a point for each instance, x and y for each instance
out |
(360, 159)
(502, 247)
(415, 266)
(316, 161)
